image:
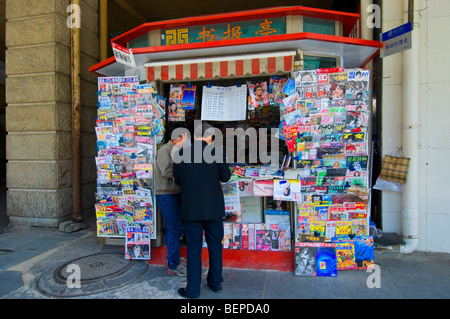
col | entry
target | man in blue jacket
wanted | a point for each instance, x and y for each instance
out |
(202, 207)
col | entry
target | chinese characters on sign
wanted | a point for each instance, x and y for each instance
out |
(224, 31)
(123, 55)
(396, 40)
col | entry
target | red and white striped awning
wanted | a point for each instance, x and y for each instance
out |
(221, 67)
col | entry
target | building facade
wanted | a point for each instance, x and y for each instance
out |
(425, 195)
(39, 115)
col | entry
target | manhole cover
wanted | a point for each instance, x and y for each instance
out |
(93, 268)
(96, 274)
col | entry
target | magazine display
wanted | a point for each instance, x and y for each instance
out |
(128, 128)
(324, 119)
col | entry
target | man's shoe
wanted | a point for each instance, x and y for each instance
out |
(180, 270)
(214, 289)
(182, 293)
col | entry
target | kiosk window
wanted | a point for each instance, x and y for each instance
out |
(141, 42)
(315, 25)
(315, 62)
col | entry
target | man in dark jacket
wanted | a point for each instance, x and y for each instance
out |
(202, 207)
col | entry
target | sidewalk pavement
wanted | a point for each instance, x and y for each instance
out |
(30, 259)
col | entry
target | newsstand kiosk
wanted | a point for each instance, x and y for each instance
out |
(309, 67)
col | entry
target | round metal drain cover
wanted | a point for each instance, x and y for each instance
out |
(93, 268)
(96, 274)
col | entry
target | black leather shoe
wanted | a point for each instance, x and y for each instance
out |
(213, 289)
(182, 293)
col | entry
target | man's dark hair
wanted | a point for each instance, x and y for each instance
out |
(206, 130)
(172, 126)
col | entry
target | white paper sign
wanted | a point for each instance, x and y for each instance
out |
(224, 103)
(123, 55)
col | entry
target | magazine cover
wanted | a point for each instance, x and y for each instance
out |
(188, 99)
(108, 86)
(305, 259)
(137, 242)
(227, 235)
(357, 162)
(258, 94)
(345, 253)
(359, 227)
(276, 89)
(236, 236)
(364, 251)
(288, 190)
(284, 236)
(262, 237)
(231, 196)
(176, 112)
(251, 236)
(356, 148)
(317, 228)
(308, 91)
(330, 229)
(245, 187)
(244, 236)
(274, 237)
(289, 87)
(338, 84)
(263, 187)
(326, 261)
(307, 77)
(290, 102)
(343, 228)
(357, 85)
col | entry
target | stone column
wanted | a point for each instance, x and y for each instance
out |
(38, 113)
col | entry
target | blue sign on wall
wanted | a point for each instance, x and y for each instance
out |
(396, 40)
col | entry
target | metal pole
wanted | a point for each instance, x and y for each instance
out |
(410, 138)
(103, 30)
(76, 119)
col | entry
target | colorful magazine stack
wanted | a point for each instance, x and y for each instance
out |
(257, 236)
(128, 127)
(328, 129)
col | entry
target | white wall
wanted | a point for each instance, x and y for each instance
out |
(434, 120)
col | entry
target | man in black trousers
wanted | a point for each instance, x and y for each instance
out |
(199, 171)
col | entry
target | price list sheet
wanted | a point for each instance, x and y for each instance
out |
(224, 103)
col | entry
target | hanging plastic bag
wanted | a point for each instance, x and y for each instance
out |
(384, 185)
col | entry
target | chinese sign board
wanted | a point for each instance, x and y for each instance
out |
(396, 40)
(224, 31)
